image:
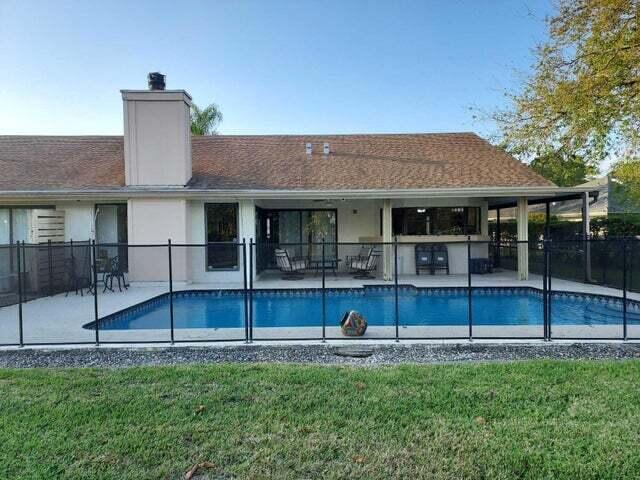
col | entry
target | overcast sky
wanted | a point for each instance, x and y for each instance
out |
(273, 67)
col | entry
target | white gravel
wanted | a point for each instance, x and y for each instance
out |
(364, 355)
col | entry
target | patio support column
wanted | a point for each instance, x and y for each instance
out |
(523, 236)
(247, 213)
(386, 238)
(586, 231)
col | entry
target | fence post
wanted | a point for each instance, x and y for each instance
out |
(498, 238)
(470, 311)
(244, 290)
(251, 244)
(95, 291)
(20, 274)
(324, 312)
(395, 279)
(545, 292)
(624, 289)
(549, 291)
(170, 289)
(50, 264)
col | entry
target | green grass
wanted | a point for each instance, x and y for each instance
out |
(537, 419)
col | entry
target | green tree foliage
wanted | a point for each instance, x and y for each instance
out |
(625, 175)
(583, 98)
(205, 121)
(564, 170)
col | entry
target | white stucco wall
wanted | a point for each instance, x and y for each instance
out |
(157, 137)
(154, 221)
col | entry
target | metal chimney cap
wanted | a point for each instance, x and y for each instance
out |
(156, 81)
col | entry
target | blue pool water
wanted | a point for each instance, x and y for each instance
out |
(424, 307)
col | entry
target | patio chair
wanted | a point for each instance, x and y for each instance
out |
(440, 259)
(363, 254)
(77, 278)
(424, 257)
(292, 269)
(115, 270)
(365, 267)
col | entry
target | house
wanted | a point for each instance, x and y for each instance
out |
(157, 182)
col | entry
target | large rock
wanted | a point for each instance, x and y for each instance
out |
(353, 324)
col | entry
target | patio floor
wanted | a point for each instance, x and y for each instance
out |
(59, 318)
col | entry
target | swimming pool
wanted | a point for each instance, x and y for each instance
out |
(416, 307)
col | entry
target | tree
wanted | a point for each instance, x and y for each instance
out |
(583, 98)
(205, 121)
(625, 175)
(565, 170)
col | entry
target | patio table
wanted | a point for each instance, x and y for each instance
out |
(317, 264)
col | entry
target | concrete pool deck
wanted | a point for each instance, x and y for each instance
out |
(59, 318)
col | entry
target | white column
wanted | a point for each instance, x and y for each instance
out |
(387, 251)
(523, 236)
(247, 230)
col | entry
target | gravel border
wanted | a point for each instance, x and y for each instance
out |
(359, 355)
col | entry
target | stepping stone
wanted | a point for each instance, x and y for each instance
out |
(355, 352)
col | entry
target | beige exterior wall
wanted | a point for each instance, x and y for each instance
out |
(157, 137)
(154, 221)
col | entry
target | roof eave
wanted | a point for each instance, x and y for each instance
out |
(195, 193)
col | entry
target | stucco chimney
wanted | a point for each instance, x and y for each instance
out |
(157, 136)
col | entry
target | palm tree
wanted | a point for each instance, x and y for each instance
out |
(205, 121)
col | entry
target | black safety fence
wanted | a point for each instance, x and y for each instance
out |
(115, 293)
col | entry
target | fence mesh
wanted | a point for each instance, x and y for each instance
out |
(243, 292)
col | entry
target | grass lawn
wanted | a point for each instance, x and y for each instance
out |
(539, 419)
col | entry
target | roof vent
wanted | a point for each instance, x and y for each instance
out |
(156, 81)
(309, 148)
(326, 149)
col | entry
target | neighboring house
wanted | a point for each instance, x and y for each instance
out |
(157, 182)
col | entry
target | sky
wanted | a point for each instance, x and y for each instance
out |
(273, 67)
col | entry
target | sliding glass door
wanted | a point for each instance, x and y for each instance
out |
(295, 231)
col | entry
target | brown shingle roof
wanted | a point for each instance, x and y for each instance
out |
(276, 162)
(44, 162)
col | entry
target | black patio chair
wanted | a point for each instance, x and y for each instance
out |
(292, 269)
(363, 254)
(440, 259)
(364, 268)
(115, 270)
(77, 278)
(424, 257)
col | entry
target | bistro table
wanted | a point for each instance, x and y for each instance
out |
(317, 265)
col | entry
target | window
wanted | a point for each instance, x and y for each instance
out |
(222, 226)
(436, 221)
(14, 225)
